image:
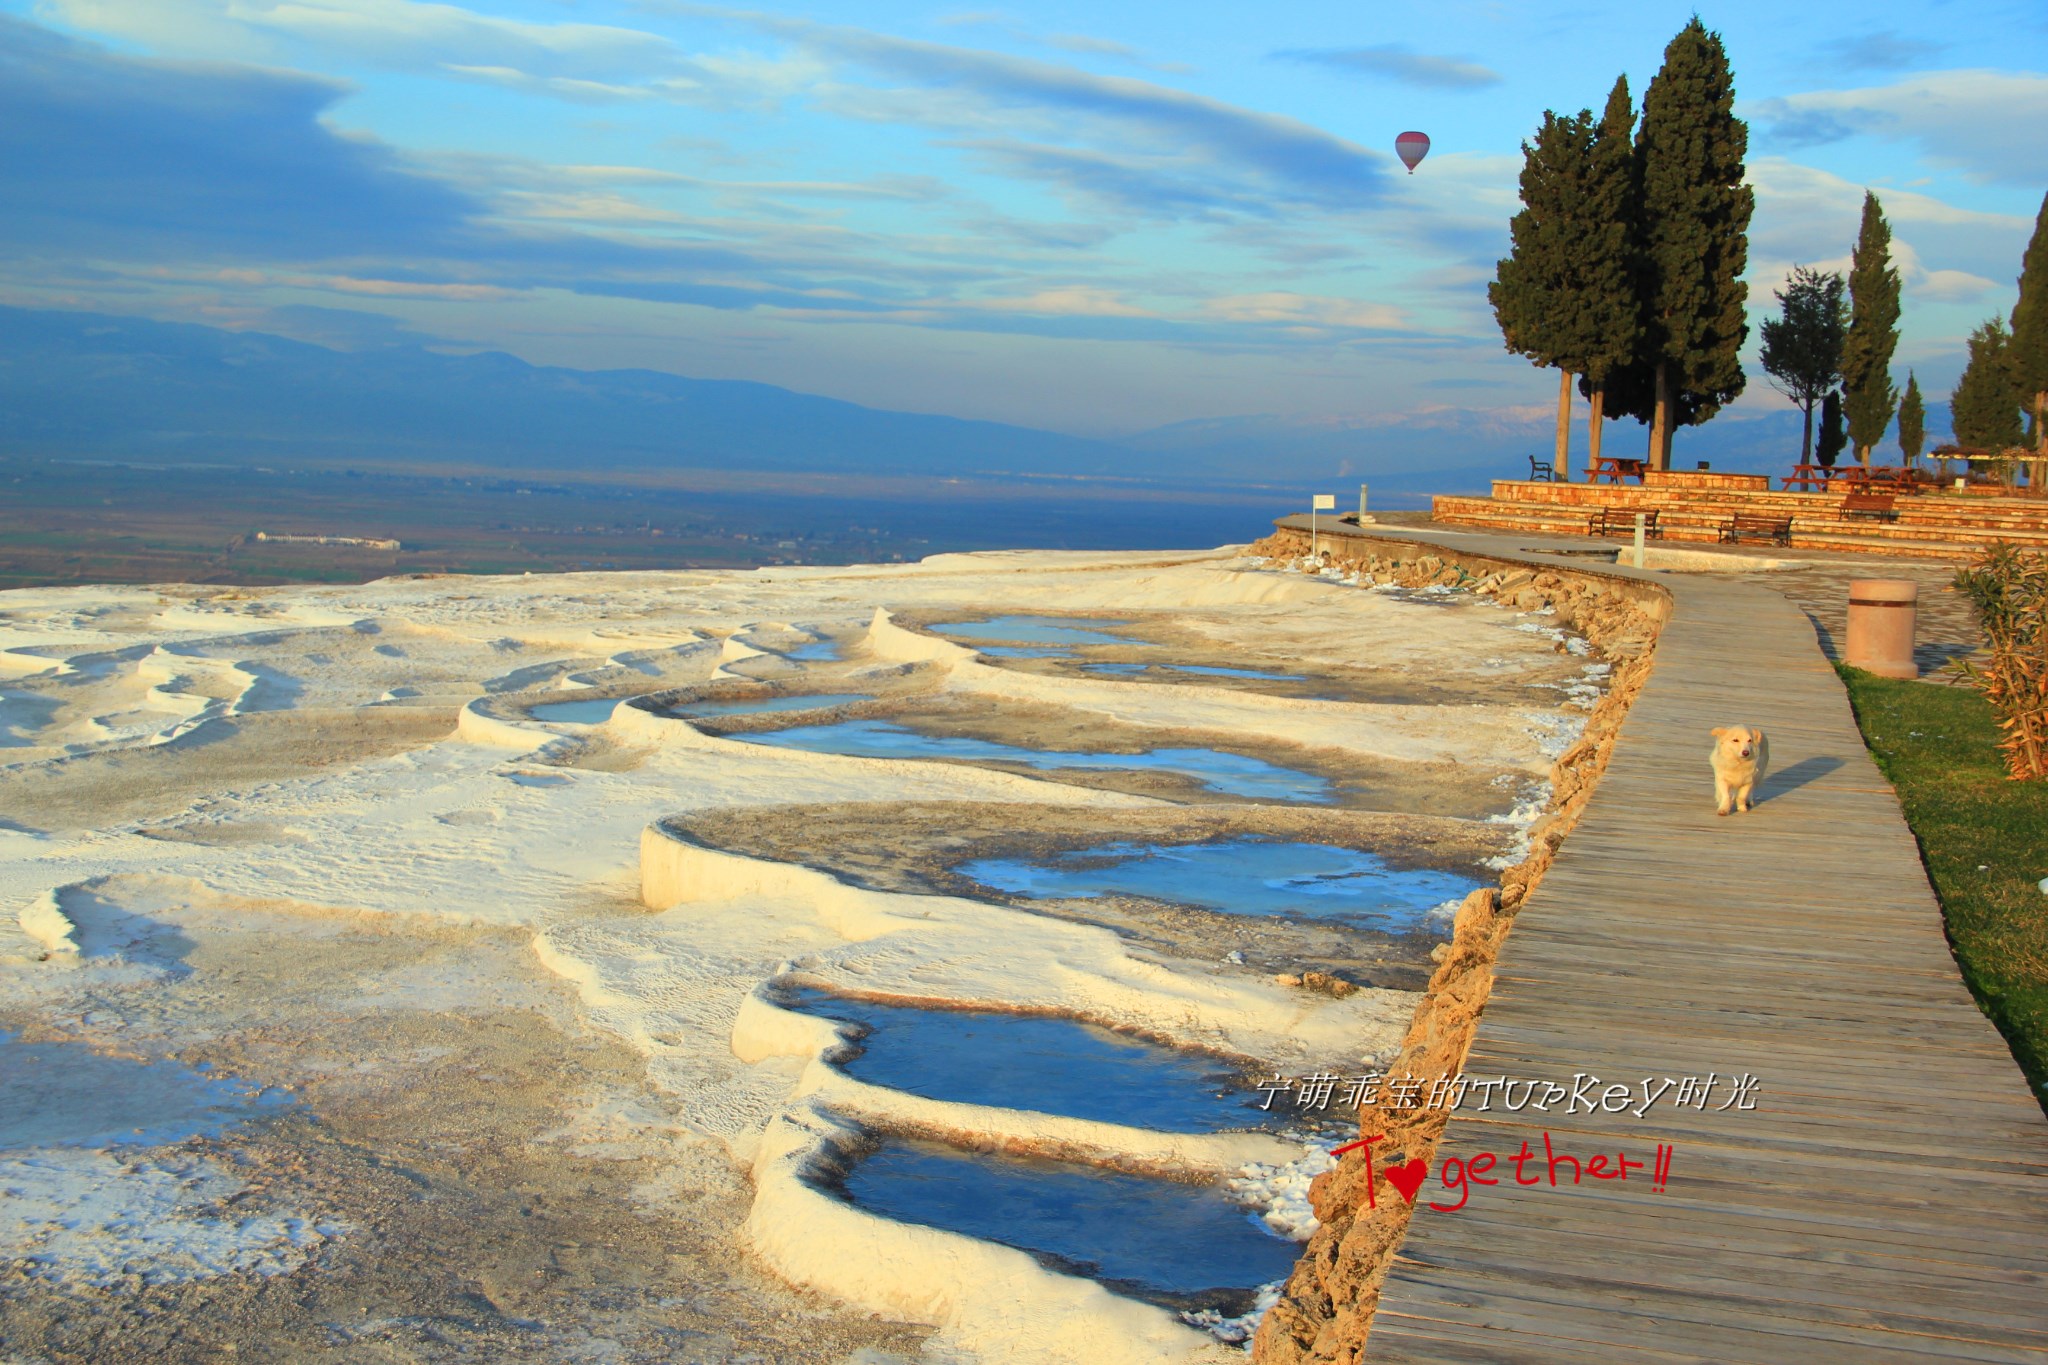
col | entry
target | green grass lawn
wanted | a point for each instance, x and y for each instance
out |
(1984, 838)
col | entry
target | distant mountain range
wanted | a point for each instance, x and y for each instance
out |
(91, 383)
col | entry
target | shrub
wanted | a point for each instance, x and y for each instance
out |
(2009, 588)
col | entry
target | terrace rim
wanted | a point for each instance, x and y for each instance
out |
(1886, 1196)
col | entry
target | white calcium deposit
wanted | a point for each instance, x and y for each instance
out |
(292, 802)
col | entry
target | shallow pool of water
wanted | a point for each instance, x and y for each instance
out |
(1042, 1063)
(1199, 670)
(1225, 773)
(1240, 876)
(21, 715)
(761, 706)
(813, 652)
(66, 1095)
(1181, 1245)
(1036, 630)
(575, 712)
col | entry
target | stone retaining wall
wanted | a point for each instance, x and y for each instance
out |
(1325, 1311)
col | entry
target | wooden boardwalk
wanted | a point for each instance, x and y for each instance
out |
(1887, 1197)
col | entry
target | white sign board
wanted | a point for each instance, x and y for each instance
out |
(1325, 502)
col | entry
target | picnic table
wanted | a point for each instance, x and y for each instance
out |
(1812, 476)
(1900, 478)
(1614, 469)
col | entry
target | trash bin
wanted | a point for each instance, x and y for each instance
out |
(1883, 613)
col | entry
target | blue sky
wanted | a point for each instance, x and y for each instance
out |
(1095, 222)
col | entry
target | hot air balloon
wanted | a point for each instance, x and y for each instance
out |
(1412, 147)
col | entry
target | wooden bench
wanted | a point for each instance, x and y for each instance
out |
(1777, 530)
(1621, 521)
(1876, 506)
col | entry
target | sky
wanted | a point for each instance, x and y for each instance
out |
(1090, 219)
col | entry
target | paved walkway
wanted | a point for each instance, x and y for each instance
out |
(1887, 1197)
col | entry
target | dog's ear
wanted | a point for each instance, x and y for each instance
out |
(1756, 734)
(1720, 731)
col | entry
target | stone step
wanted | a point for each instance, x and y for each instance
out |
(1817, 518)
(1809, 533)
(1930, 508)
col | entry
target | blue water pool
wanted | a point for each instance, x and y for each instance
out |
(761, 706)
(66, 1095)
(1226, 773)
(1239, 876)
(1050, 1065)
(814, 652)
(1152, 1239)
(1200, 670)
(1036, 630)
(575, 712)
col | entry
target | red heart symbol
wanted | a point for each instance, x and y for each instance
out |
(1408, 1179)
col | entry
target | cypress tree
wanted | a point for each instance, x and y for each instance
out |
(2030, 341)
(1868, 396)
(1561, 297)
(1694, 233)
(1912, 420)
(1608, 251)
(1832, 436)
(1986, 401)
(1529, 292)
(1803, 346)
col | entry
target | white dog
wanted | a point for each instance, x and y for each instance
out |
(1740, 755)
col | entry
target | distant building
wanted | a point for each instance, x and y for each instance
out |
(358, 542)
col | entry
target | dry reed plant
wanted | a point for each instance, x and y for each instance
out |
(2009, 588)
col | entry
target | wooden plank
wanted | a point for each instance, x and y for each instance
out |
(1886, 1200)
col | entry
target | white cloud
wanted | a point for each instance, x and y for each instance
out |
(1808, 216)
(1067, 301)
(1992, 125)
(399, 33)
(1307, 310)
(1400, 63)
(1953, 286)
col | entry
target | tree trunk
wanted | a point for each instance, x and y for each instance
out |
(1863, 456)
(2039, 475)
(1806, 437)
(1593, 431)
(1561, 463)
(1660, 422)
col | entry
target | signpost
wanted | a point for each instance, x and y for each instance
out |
(1322, 502)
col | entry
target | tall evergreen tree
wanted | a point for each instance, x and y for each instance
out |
(2030, 341)
(1832, 435)
(1694, 232)
(1868, 396)
(1912, 420)
(1986, 401)
(1608, 252)
(1532, 291)
(1803, 346)
(1562, 296)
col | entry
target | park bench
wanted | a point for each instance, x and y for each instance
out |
(1621, 521)
(1541, 471)
(1875, 506)
(1777, 530)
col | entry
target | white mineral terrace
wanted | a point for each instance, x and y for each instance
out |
(264, 845)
